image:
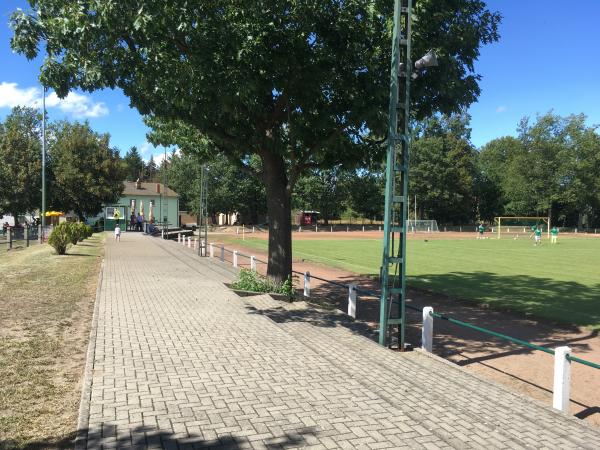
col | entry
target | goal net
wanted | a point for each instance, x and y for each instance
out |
(519, 226)
(422, 226)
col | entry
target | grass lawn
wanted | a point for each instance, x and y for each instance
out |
(559, 282)
(45, 316)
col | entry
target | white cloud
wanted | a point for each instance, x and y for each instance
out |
(11, 95)
(147, 149)
(501, 109)
(79, 106)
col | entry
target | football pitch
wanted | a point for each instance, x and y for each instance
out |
(559, 282)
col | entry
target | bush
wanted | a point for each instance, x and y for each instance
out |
(60, 237)
(82, 232)
(249, 280)
(73, 233)
(88, 231)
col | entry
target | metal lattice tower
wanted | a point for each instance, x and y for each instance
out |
(203, 230)
(393, 270)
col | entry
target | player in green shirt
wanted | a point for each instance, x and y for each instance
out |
(537, 235)
(480, 230)
(553, 235)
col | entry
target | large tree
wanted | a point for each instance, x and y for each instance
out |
(301, 84)
(20, 162)
(322, 190)
(442, 172)
(87, 172)
(134, 165)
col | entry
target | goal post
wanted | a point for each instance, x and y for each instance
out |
(422, 226)
(513, 225)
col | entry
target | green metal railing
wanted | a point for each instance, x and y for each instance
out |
(450, 319)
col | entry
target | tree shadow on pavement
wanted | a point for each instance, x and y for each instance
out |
(149, 437)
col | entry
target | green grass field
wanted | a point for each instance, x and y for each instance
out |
(560, 282)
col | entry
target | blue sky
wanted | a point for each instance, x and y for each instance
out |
(548, 58)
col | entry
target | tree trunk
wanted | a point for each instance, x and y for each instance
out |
(280, 217)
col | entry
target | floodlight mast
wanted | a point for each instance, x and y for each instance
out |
(392, 311)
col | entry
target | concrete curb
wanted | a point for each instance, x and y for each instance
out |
(86, 390)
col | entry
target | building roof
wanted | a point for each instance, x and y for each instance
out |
(147, 189)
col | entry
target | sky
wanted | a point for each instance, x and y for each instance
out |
(548, 58)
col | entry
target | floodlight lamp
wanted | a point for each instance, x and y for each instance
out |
(429, 60)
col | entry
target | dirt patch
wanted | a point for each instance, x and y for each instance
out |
(526, 371)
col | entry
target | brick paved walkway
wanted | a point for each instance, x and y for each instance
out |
(180, 362)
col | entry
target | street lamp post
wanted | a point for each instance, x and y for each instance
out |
(393, 269)
(43, 221)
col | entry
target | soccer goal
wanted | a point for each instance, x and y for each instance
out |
(422, 226)
(520, 226)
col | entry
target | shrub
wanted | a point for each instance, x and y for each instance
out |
(249, 280)
(81, 231)
(88, 231)
(60, 237)
(73, 233)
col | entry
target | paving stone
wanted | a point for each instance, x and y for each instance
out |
(181, 362)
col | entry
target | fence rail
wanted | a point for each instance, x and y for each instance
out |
(562, 355)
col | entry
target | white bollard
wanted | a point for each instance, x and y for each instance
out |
(253, 263)
(194, 244)
(162, 234)
(379, 228)
(427, 330)
(316, 228)
(178, 238)
(352, 300)
(235, 258)
(307, 284)
(237, 230)
(562, 379)
(347, 229)
(460, 229)
(253, 229)
(575, 230)
(222, 258)
(299, 229)
(332, 229)
(363, 228)
(189, 242)
(211, 250)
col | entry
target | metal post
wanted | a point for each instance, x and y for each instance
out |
(352, 300)
(235, 258)
(189, 242)
(393, 273)
(222, 257)
(562, 379)
(427, 330)
(9, 239)
(26, 233)
(43, 164)
(40, 238)
(307, 284)
(253, 263)
(212, 250)
(178, 238)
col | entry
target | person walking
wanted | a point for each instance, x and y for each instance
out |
(118, 233)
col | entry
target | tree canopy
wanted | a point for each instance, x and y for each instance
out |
(299, 84)
(20, 162)
(87, 172)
